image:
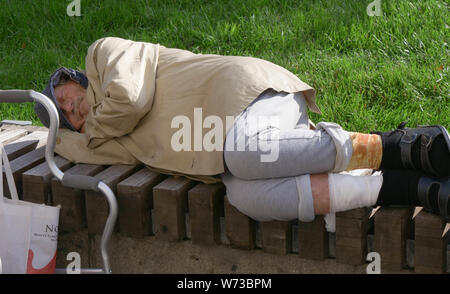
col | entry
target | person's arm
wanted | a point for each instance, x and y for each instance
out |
(122, 77)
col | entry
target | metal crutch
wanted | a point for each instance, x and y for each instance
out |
(72, 181)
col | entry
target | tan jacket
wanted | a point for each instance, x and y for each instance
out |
(136, 89)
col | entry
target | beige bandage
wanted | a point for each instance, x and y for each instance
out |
(367, 151)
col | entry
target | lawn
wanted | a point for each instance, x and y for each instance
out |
(370, 73)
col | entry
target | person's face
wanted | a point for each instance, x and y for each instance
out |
(71, 98)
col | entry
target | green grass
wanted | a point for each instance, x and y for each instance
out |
(370, 73)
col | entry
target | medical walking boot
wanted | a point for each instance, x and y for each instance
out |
(413, 188)
(425, 149)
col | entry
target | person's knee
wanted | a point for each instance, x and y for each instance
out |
(243, 204)
(261, 199)
(241, 196)
(237, 163)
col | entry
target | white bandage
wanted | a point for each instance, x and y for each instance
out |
(350, 192)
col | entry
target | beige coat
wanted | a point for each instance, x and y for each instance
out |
(136, 89)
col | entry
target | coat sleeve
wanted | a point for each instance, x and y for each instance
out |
(122, 73)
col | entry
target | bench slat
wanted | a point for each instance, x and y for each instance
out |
(21, 164)
(36, 136)
(205, 210)
(430, 248)
(392, 225)
(36, 181)
(313, 239)
(240, 229)
(135, 199)
(170, 207)
(11, 135)
(72, 216)
(96, 203)
(276, 237)
(16, 149)
(351, 236)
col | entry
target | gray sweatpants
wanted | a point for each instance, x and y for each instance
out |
(270, 152)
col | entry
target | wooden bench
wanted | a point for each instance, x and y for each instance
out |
(169, 211)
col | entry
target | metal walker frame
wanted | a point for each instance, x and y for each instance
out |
(72, 181)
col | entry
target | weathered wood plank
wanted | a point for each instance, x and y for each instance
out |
(16, 149)
(36, 181)
(430, 252)
(21, 164)
(40, 137)
(25, 144)
(240, 229)
(358, 213)
(276, 237)
(96, 203)
(11, 135)
(351, 236)
(205, 210)
(28, 128)
(135, 199)
(313, 239)
(72, 216)
(170, 206)
(391, 230)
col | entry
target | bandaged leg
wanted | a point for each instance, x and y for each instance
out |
(301, 197)
(367, 151)
(349, 192)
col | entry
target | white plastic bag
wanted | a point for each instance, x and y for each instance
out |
(28, 231)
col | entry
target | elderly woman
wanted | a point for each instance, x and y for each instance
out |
(242, 121)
